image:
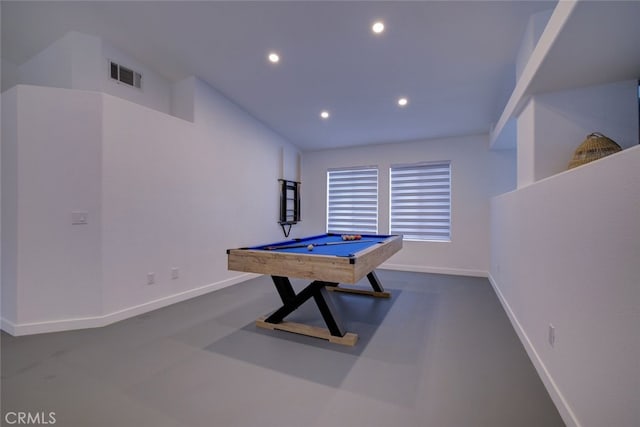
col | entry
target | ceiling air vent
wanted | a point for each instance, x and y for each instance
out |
(126, 75)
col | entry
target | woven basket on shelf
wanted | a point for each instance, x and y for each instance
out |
(593, 148)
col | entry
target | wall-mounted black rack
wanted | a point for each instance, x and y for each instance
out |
(289, 205)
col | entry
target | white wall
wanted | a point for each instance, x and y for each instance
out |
(51, 67)
(160, 193)
(246, 171)
(9, 182)
(525, 130)
(81, 61)
(9, 74)
(51, 170)
(182, 96)
(553, 125)
(564, 119)
(533, 31)
(565, 252)
(145, 203)
(477, 175)
(155, 92)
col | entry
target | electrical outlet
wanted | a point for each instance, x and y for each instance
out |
(175, 273)
(552, 335)
(151, 278)
(79, 218)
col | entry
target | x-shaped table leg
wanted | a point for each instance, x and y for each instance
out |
(291, 301)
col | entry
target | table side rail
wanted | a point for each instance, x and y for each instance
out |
(321, 267)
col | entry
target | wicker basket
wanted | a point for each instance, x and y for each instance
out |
(593, 148)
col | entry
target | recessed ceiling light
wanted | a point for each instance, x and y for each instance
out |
(403, 101)
(377, 27)
(274, 57)
(324, 114)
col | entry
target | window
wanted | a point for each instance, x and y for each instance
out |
(420, 206)
(352, 201)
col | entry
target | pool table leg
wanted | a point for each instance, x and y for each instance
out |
(328, 311)
(375, 282)
(291, 301)
(377, 292)
(284, 288)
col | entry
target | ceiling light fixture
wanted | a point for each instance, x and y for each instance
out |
(324, 114)
(274, 58)
(403, 101)
(377, 27)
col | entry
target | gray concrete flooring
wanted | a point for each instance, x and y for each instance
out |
(440, 353)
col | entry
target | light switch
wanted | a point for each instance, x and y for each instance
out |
(79, 218)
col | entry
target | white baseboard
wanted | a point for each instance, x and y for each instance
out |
(435, 270)
(107, 319)
(564, 409)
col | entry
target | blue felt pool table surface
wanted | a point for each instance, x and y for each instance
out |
(342, 248)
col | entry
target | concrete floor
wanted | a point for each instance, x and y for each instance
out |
(441, 352)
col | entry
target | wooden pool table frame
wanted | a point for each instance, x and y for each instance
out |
(326, 271)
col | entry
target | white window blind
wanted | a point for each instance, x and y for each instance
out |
(421, 201)
(352, 201)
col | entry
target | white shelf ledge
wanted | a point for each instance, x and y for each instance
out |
(585, 43)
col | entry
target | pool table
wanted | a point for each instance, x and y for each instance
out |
(326, 259)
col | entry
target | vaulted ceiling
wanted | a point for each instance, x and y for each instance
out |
(452, 60)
